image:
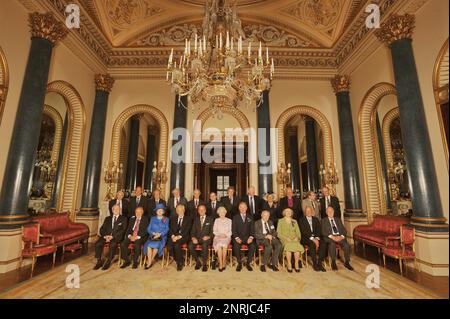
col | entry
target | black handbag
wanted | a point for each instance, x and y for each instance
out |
(156, 239)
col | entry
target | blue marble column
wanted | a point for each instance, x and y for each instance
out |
(384, 167)
(177, 170)
(311, 151)
(60, 164)
(265, 183)
(150, 158)
(350, 173)
(294, 159)
(45, 32)
(92, 175)
(426, 203)
(133, 149)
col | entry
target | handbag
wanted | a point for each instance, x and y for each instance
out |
(153, 238)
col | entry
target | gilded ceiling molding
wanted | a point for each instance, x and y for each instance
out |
(76, 115)
(369, 149)
(46, 26)
(341, 83)
(236, 113)
(57, 119)
(4, 82)
(397, 27)
(163, 136)
(104, 82)
(386, 133)
(319, 117)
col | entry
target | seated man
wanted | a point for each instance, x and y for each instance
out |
(266, 235)
(243, 230)
(112, 232)
(136, 233)
(311, 233)
(334, 232)
(201, 234)
(179, 234)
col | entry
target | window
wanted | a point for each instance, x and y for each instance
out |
(223, 182)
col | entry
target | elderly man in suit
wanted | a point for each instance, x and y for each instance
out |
(266, 235)
(311, 236)
(174, 201)
(139, 200)
(179, 234)
(201, 234)
(311, 201)
(243, 230)
(230, 202)
(253, 202)
(334, 233)
(154, 201)
(289, 201)
(136, 233)
(212, 205)
(194, 203)
(328, 200)
(111, 232)
(123, 204)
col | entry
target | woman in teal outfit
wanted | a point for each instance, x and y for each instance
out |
(157, 229)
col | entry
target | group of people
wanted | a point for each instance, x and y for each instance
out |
(288, 226)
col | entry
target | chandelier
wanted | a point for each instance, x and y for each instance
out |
(214, 69)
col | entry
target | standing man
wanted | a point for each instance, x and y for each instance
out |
(139, 200)
(266, 235)
(194, 203)
(289, 201)
(137, 234)
(174, 201)
(311, 236)
(253, 203)
(311, 201)
(111, 232)
(153, 201)
(230, 202)
(212, 205)
(123, 204)
(243, 230)
(201, 234)
(327, 200)
(179, 234)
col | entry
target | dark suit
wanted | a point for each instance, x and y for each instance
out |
(272, 247)
(183, 230)
(327, 230)
(172, 208)
(117, 232)
(152, 204)
(141, 239)
(192, 209)
(243, 230)
(210, 211)
(199, 232)
(296, 207)
(334, 202)
(143, 202)
(307, 234)
(256, 213)
(273, 211)
(231, 207)
(125, 206)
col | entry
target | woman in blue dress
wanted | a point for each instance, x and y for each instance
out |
(157, 229)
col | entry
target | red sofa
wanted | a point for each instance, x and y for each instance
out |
(64, 232)
(377, 233)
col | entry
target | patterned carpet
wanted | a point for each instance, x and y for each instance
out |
(168, 283)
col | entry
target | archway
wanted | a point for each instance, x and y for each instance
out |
(74, 145)
(57, 119)
(4, 82)
(319, 117)
(370, 156)
(387, 121)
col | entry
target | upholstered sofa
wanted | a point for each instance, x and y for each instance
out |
(379, 231)
(61, 230)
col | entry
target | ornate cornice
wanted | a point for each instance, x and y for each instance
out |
(104, 82)
(46, 26)
(397, 27)
(341, 83)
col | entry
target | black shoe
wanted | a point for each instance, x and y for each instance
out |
(263, 268)
(289, 270)
(239, 267)
(321, 267)
(221, 269)
(135, 265)
(348, 266)
(179, 267)
(213, 265)
(249, 268)
(204, 268)
(125, 264)
(316, 268)
(333, 265)
(300, 264)
(297, 270)
(275, 268)
(148, 266)
(99, 264)
(198, 265)
(106, 265)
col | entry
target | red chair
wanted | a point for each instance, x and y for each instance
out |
(401, 247)
(31, 246)
(131, 248)
(199, 247)
(106, 246)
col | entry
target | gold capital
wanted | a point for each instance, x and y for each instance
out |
(46, 26)
(103, 82)
(397, 27)
(341, 83)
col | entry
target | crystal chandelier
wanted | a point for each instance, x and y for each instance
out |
(214, 69)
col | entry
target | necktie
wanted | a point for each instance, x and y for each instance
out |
(214, 205)
(136, 227)
(114, 221)
(267, 227)
(310, 224)
(243, 218)
(313, 204)
(290, 202)
(252, 207)
(180, 220)
(327, 202)
(231, 200)
(138, 199)
(196, 203)
(202, 220)
(335, 229)
(176, 202)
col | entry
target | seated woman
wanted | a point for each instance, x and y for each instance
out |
(222, 236)
(157, 229)
(289, 234)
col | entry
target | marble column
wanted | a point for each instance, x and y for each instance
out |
(46, 31)
(150, 157)
(311, 153)
(93, 170)
(294, 158)
(384, 167)
(133, 149)
(352, 193)
(428, 215)
(60, 165)
(178, 168)
(265, 183)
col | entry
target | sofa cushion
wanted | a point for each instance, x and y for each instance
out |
(373, 236)
(52, 222)
(66, 234)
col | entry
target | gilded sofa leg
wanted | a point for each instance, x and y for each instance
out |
(54, 258)
(33, 263)
(401, 266)
(384, 260)
(364, 249)
(62, 254)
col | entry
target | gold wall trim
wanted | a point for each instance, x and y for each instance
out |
(441, 88)
(386, 133)
(237, 114)
(4, 82)
(57, 119)
(319, 117)
(74, 145)
(369, 149)
(123, 118)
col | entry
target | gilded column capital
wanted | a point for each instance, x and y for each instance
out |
(103, 82)
(2, 93)
(46, 26)
(341, 83)
(397, 27)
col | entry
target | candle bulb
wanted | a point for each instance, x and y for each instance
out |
(267, 55)
(249, 49)
(220, 41)
(204, 43)
(228, 41)
(260, 50)
(232, 44)
(195, 44)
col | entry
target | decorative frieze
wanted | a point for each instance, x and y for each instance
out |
(46, 26)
